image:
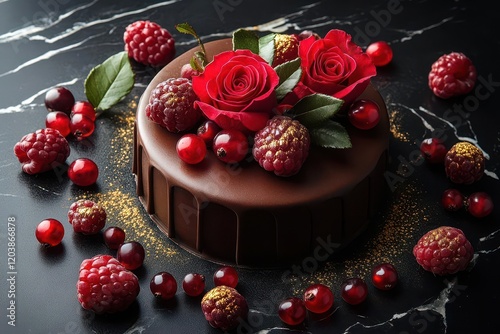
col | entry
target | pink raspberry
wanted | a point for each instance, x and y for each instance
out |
(282, 146)
(148, 43)
(42, 150)
(86, 216)
(452, 75)
(171, 104)
(105, 286)
(224, 307)
(443, 251)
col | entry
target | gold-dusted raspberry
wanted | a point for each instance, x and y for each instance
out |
(224, 307)
(286, 48)
(464, 163)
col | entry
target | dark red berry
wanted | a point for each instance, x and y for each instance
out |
(230, 145)
(85, 108)
(452, 200)
(49, 232)
(59, 99)
(81, 126)
(59, 121)
(114, 236)
(163, 285)
(191, 149)
(87, 216)
(364, 114)
(479, 204)
(318, 298)
(292, 311)
(433, 150)
(131, 255)
(452, 75)
(384, 276)
(227, 276)
(193, 284)
(207, 131)
(380, 52)
(83, 172)
(354, 290)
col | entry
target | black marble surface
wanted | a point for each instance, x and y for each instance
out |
(46, 43)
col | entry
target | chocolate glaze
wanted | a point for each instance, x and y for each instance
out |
(246, 216)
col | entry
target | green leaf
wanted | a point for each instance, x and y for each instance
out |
(109, 82)
(195, 65)
(330, 134)
(246, 40)
(186, 28)
(315, 109)
(266, 48)
(289, 74)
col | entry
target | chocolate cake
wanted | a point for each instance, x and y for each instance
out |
(242, 214)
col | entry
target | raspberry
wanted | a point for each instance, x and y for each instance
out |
(452, 75)
(443, 251)
(223, 307)
(286, 48)
(148, 43)
(464, 163)
(105, 286)
(171, 105)
(42, 150)
(282, 146)
(86, 216)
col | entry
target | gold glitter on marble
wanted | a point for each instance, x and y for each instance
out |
(395, 127)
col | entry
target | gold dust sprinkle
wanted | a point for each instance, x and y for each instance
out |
(395, 127)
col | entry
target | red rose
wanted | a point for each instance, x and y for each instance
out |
(335, 66)
(236, 90)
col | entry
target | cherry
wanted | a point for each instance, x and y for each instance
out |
(58, 120)
(354, 290)
(81, 126)
(114, 236)
(85, 108)
(193, 284)
(433, 150)
(318, 298)
(163, 285)
(452, 200)
(131, 255)
(207, 131)
(384, 276)
(49, 232)
(59, 99)
(230, 145)
(292, 311)
(83, 172)
(227, 276)
(479, 204)
(364, 114)
(191, 149)
(380, 52)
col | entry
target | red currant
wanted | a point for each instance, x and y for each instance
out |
(131, 255)
(207, 131)
(479, 204)
(230, 145)
(354, 290)
(59, 99)
(292, 311)
(59, 121)
(380, 52)
(452, 200)
(114, 236)
(191, 149)
(318, 298)
(81, 126)
(83, 172)
(85, 108)
(364, 114)
(163, 285)
(227, 276)
(384, 276)
(433, 150)
(49, 232)
(193, 284)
